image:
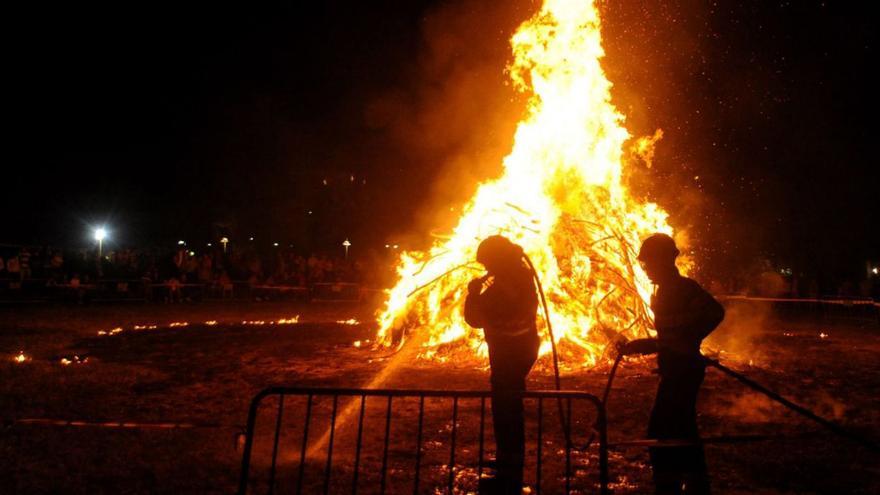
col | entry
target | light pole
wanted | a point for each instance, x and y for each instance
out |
(100, 234)
(346, 244)
(224, 241)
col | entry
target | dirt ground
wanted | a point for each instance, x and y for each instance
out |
(206, 374)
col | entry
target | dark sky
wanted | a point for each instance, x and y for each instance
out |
(171, 122)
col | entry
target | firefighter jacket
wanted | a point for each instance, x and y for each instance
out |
(506, 309)
(684, 314)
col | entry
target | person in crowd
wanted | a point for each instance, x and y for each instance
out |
(24, 260)
(13, 268)
(684, 314)
(504, 304)
(225, 284)
(205, 268)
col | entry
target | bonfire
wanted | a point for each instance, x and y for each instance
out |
(562, 196)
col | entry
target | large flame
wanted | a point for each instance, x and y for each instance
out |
(561, 197)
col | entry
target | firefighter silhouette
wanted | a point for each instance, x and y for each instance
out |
(684, 314)
(504, 304)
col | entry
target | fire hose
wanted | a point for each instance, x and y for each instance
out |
(546, 319)
(803, 411)
(557, 382)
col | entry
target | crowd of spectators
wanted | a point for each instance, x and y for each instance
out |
(278, 267)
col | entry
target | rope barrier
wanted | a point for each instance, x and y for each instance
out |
(814, 300)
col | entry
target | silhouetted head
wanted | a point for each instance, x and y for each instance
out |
(657, 256)
(498, 254)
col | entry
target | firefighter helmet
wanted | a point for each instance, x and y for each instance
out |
(496, 249)
(658, 247)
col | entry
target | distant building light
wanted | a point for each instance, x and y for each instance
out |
(192, 253)
(250, 238)
(275, 244)
(209, 244)
(181, 243)
(387, 246)
(352, 178)
(324, 182)
(875, 270)
(395, 246)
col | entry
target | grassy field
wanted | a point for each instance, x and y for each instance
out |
(206, 374)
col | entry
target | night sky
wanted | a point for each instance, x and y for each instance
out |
(168, 122)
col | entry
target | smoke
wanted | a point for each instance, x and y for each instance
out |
(738, 336)
(751, 407)
(829, 407)
(454, 116)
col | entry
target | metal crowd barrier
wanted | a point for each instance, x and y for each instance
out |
(295, 464)
(336, 291)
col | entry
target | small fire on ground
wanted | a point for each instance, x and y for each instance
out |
(293, 320)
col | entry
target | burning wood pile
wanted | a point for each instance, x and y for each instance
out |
(561, 196)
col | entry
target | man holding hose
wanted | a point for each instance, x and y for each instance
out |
(684, 314)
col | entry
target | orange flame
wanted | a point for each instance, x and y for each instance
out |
(561, 197)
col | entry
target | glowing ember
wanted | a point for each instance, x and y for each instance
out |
(174, 324)
(75, 359)
(21, 357)
(561, 197)
(211, 323)
(289, 321)
(350, 321)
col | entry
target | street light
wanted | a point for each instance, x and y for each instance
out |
(100, 234)
(224, 241)
(347, 245)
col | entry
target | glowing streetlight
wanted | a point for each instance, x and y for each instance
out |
(346, 244)
(224, 241)
(100, 234)
(181, 243)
